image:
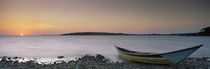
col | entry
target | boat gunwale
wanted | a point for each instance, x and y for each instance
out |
(150, 53)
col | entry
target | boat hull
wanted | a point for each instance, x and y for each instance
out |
(156, 58)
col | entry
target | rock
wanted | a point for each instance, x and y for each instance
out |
(99, 62)
(60, 57)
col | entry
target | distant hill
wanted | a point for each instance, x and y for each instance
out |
(95, 33)
(202, 32)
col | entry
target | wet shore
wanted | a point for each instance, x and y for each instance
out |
(99, 62)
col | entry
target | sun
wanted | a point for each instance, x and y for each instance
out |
(21, 34)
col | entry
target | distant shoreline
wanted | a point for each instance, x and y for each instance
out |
(95, 33)
(108, 33)
(203, 32)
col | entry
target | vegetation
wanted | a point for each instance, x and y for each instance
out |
(204, 31)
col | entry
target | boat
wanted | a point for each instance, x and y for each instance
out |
(173, 57)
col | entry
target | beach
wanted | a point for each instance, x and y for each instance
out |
(69, 52)
(100, 62)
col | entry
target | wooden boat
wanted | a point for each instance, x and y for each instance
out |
(156, 58)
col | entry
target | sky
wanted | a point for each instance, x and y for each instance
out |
(40, 17)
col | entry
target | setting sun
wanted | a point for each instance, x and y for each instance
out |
(21, 34)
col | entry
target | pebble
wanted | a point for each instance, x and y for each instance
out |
(100, 62)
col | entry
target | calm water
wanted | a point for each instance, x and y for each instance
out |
(74, 46)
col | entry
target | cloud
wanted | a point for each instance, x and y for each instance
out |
(46, 25)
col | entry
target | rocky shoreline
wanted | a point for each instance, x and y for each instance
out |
(100, 62)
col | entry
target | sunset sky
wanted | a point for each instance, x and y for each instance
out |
(39, 17)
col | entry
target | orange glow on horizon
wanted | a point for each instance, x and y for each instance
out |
(21, 34)
(40, 17)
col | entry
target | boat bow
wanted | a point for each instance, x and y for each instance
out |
(177, 56)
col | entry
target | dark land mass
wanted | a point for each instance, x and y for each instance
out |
(96, 33)
(202, 32)
(100, 62)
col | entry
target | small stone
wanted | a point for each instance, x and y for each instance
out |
(60, 57)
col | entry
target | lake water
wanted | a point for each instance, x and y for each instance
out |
(75, 46)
